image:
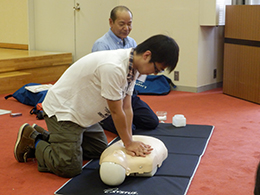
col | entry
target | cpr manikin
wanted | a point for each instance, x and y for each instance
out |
(115, 164)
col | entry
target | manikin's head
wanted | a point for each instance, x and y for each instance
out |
(120, 21)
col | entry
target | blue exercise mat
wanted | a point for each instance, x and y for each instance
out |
(185, 145)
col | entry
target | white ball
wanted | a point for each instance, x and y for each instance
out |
(111, 173)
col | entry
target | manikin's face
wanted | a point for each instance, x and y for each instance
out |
(122, 26)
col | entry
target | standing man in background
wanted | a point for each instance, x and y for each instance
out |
(120, 22)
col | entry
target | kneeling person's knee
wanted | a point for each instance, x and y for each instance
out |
(71, 170)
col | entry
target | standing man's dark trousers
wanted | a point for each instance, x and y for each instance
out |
(144, 117)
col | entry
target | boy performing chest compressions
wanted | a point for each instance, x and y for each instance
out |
(96, 86)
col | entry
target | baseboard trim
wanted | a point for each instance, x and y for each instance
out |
(198, 89)
(14, 46)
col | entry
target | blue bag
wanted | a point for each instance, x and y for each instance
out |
(26, 97)
(154, 85)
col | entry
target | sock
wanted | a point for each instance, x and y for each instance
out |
(37, 139)
(37, 142)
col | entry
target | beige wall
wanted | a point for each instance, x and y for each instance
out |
(14, 21)
(201, 48)
(178, 19)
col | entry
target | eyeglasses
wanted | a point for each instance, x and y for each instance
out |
(156, 70)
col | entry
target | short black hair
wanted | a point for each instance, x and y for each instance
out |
(164, 50)
(113, 15)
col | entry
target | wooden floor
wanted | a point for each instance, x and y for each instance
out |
(19, 67)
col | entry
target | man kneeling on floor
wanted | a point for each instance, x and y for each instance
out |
(96, 86)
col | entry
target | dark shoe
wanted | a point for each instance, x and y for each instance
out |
(24, 146)
(45, 134)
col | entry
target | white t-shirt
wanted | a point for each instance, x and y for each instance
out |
(81, 92)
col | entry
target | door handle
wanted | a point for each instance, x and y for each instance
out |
(77, 7)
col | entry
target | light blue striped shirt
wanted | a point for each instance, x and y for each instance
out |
(110, 41)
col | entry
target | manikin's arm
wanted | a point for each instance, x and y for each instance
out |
(122, 115)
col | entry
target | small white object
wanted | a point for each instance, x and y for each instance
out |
(112, 174)
(162, 118)
(179, 120)
(4, 111)
(162, 115)
(142, 77)
(38, 88)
